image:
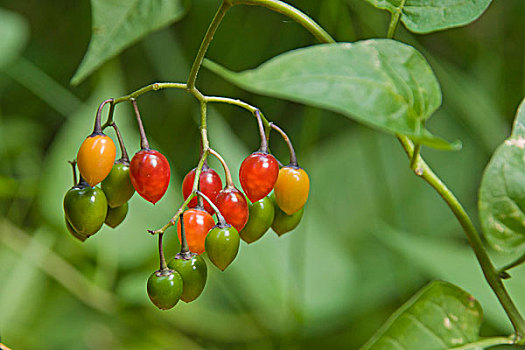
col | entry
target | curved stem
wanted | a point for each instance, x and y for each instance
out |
(214, 207)
(229, 181)
(144, 144)
(299, 17)
(184, 249)
(511, 265)
(485, 342)
(163, 265)
(151, 87)
(74, 168)
(206, 43)
(98, 127)
(262, 133)
(109, 119)
(474, 239)
(293, 157)
(124, 155)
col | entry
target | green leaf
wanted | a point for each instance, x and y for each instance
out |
(14, 32)
(117, 24)
(381, 83)
(425, 16)
(440, 316)
(502, 191)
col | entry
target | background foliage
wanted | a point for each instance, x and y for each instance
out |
(372, 235)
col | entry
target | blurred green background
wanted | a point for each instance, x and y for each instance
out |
(372, 233)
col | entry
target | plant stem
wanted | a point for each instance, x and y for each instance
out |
(489, 271)
(206, 43)
(74, 168)
(98, 127)
(513, 264)
(262, 133)
(299, 17)
(144, 144)
(394, 21)
(184, 249)
(485, 342)
(415, 157)
(229, 181)
(124, 155)
(151, 87)
(214, 207)
(163, 265)
(293, 157)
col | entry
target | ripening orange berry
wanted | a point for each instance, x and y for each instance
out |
(95, 158)
(291, 189)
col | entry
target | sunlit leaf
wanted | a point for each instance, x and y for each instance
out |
(425, 16)
(117, 24)
(439, 317)
(381, 83)
(502, 191)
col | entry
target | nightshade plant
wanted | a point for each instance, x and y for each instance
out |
(382, 83)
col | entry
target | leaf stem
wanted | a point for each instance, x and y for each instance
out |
(299, 17)
(197, 63)
(474, 239)
(511, 265)
(485, 342)
(394, 21)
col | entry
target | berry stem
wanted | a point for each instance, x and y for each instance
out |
(184, 249)
(144, 144)
(262, 132)
(163, 265)
(124, 155)
(98, 127)
(214, 207)
(109, 120)
(293, 157)
(73, 164)
(229, 181)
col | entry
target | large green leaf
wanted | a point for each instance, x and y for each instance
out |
(440, 316)
(425, 16)
(381, 83)
(118, 24)
(14, 32)
(502, 191)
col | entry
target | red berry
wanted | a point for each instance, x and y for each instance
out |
(233, 207)
(210, 185)
(197, 223)
(258, 174)
(149, 171)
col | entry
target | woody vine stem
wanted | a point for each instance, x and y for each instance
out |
(417, 163)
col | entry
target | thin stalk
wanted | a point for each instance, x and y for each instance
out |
(229, 181)
(98, 124)
(262, 133)
(512, 265)
(206, 43)
(109, 119)
(147, 88)
(415, 157)
(299, 17)
(123, 151)
(184, 249)
(293, 157)
(74, 168)
(485, 342)
(221, 219)
(394, 21)
(163, 265)
(144, 144)
(474, 239)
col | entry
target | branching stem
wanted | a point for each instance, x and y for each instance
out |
(227, 173)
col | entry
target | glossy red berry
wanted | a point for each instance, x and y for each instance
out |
(95, 158)
(149, 171)
(197, 223)
(258, 174)
(233, 206)
(210, 185)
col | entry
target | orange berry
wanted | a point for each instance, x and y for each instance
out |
(291, 189)
(95, 158)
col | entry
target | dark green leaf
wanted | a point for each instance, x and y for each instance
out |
(502, 191)
(425, 16)
(14, 33)
(118, 24)
(438, 317)
(381, 83)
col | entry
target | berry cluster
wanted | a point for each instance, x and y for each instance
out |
(274, 196)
